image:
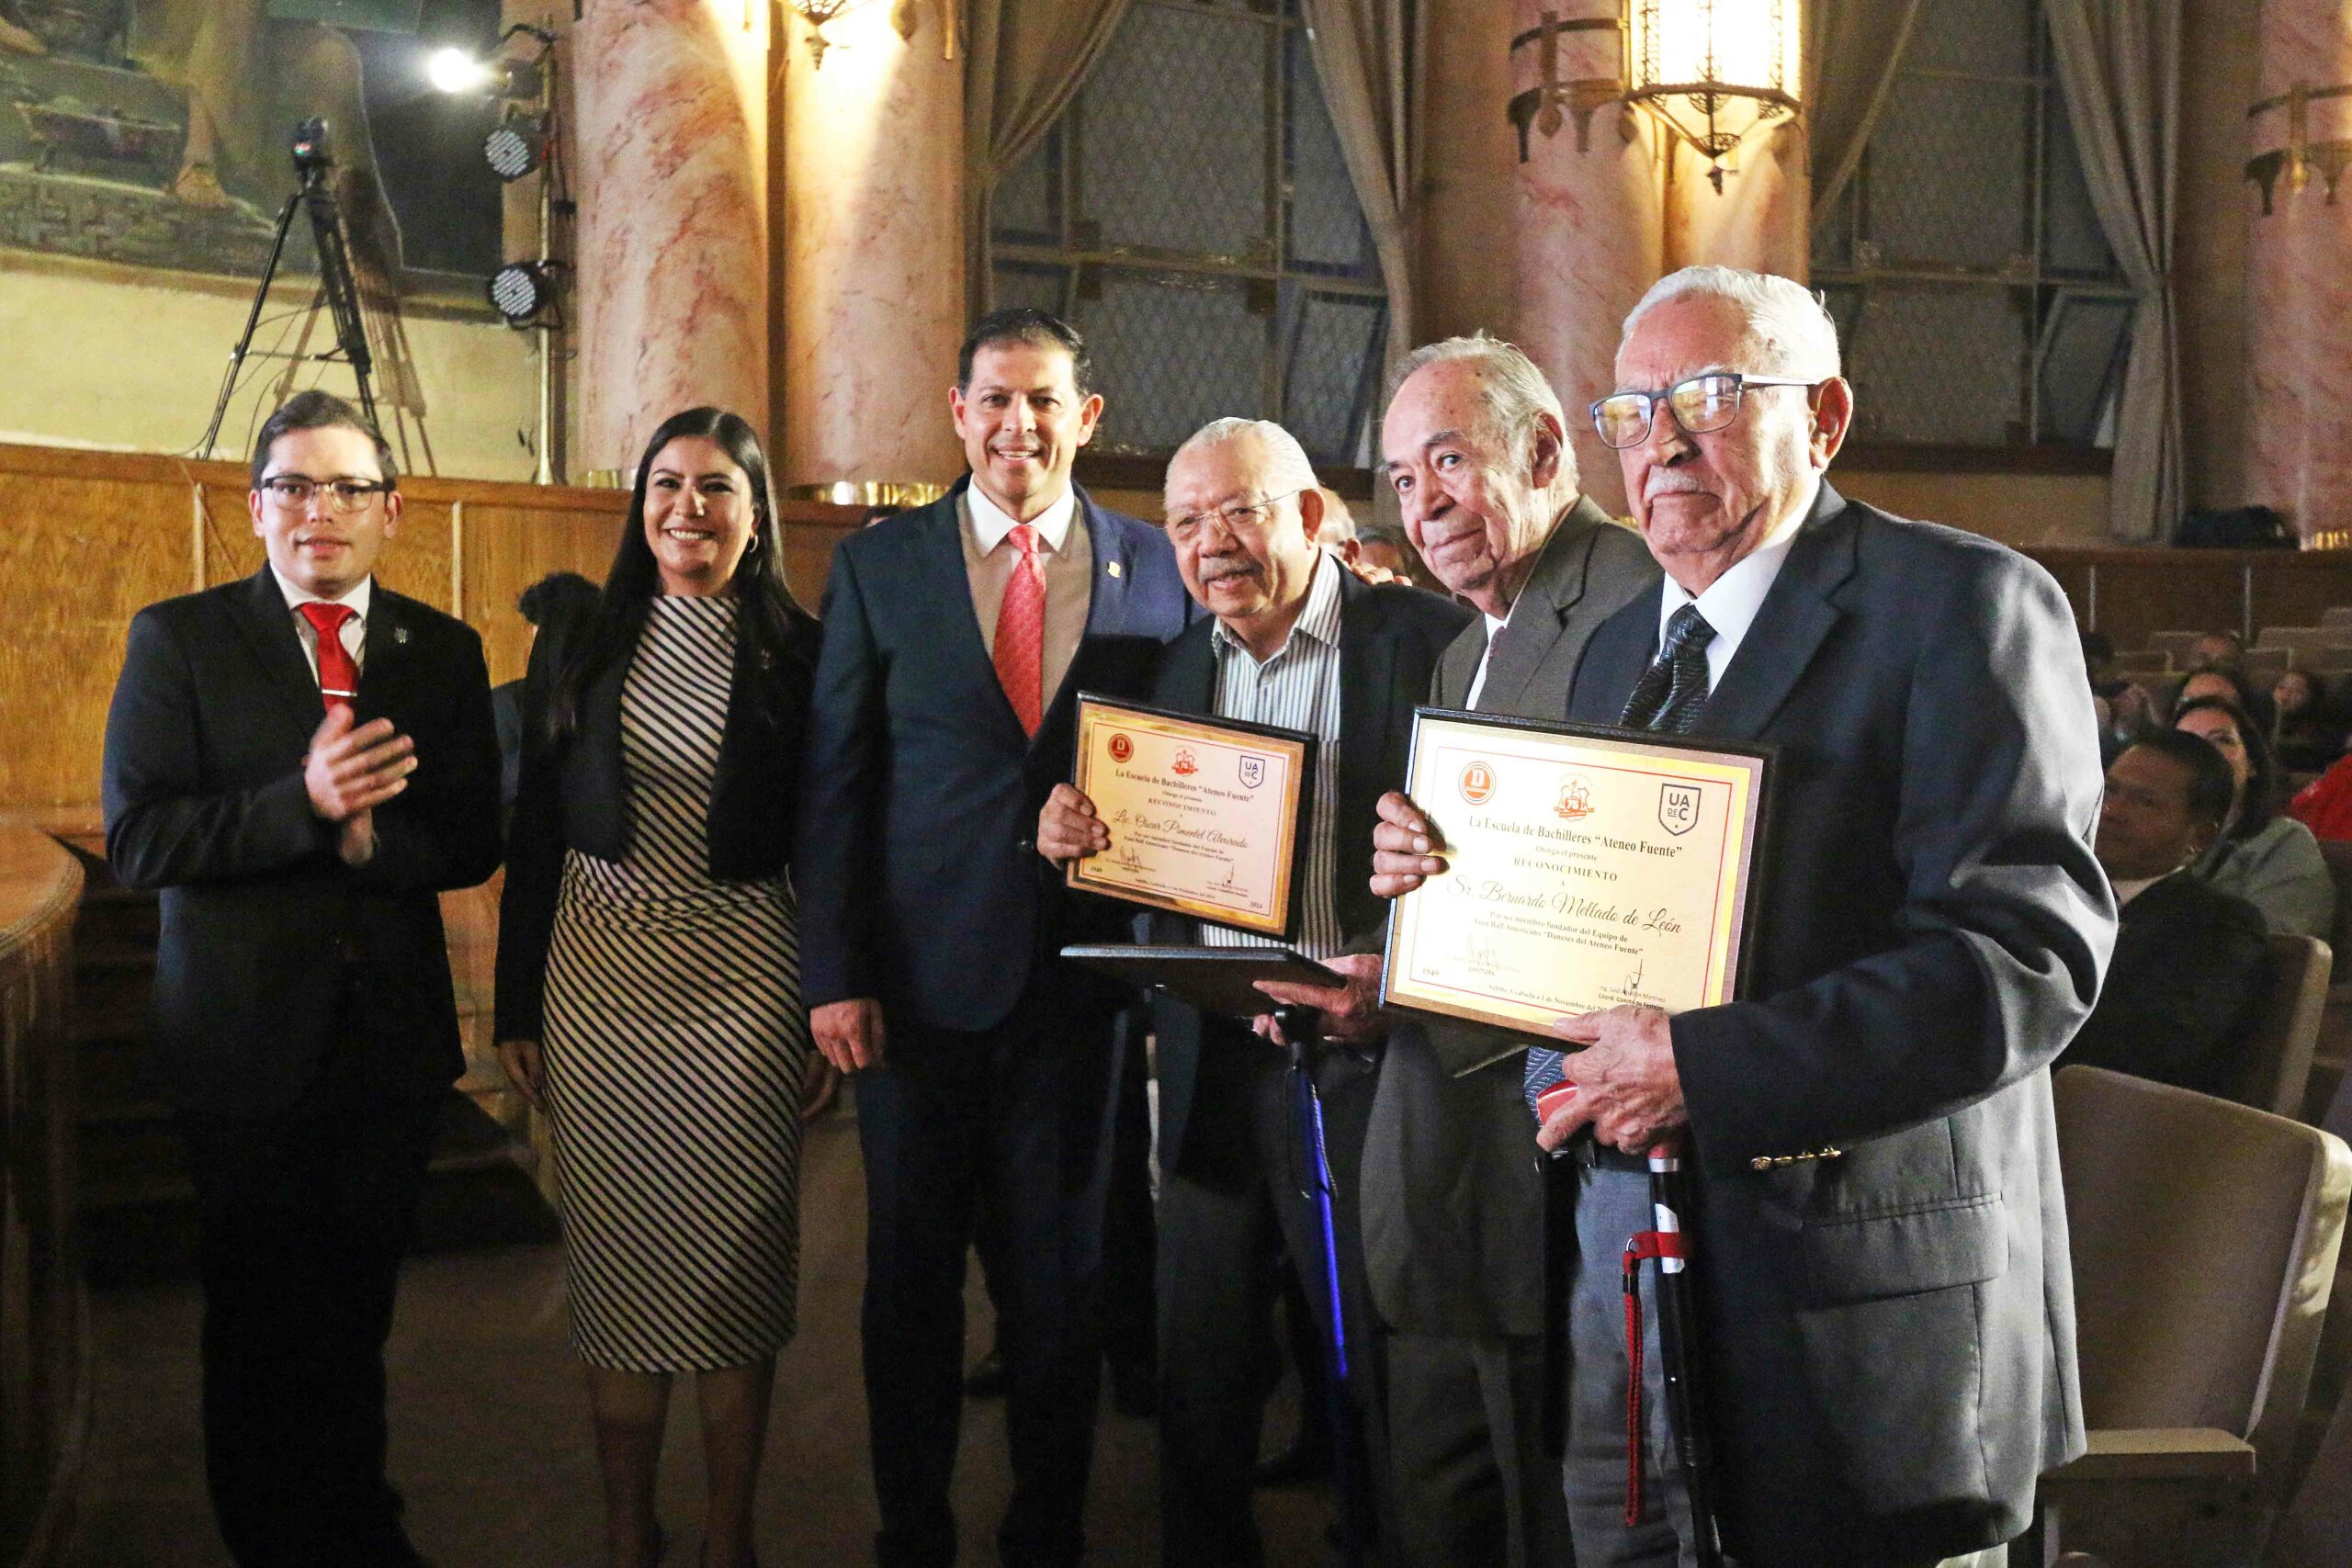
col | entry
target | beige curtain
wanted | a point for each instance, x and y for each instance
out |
(1852, 50)
(1369, 56)
(1028, 58)
(2119, 63)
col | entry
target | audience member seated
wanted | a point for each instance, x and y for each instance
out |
(2190, 960)
(2265, 857)
(2227, 685)
(2216, 651)
(2307, 730)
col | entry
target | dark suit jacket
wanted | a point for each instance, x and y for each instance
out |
(271, 946)
(1452, 1200)
(1889, 1331)
(916, 859)
(573, 796)
(2184, 988)
(1390, 639)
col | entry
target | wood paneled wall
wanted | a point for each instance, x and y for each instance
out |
(88, 538)
(42, 1400)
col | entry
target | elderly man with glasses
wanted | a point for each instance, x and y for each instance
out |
(1297, 641)
(1885, 1329)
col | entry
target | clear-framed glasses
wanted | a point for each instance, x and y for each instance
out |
(1240, 516)
(293, 491)
(1701, 403)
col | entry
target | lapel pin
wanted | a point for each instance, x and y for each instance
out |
(1111, 567)
(399, 636)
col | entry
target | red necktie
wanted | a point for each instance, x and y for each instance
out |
(1021, 633)
(338, 676)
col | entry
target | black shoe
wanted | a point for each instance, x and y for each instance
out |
(987, 1381)
(1308, 1458)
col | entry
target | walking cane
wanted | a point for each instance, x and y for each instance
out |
(1298, 1026)
(1669, 1243)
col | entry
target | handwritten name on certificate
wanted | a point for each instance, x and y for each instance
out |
(1207, 817)
(1586, 868)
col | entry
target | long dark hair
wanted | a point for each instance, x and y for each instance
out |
(770, 621)
(2264, 795)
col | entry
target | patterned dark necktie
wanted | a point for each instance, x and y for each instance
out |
(1668, 698)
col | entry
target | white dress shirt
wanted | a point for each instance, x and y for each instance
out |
(1479, 683)
(354, 631)
(1730, 602)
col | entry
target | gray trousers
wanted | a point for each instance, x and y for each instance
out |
(1472, 1482)
(1610, 1206)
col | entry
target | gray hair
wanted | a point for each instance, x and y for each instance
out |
(1788, 326)
(1288, 469)
(1517, 394)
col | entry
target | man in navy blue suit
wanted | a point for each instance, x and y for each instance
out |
(957, 639)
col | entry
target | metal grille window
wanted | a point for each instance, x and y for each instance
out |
(1976, 298)
(1191, 212)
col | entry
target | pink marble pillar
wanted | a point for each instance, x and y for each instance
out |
(1589, 231)
(874, 308)
(2299, 334)
(670, 114)
(1760, 219)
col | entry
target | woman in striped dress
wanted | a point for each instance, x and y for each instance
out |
(648, 974)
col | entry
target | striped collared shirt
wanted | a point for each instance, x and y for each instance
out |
(1298, 688)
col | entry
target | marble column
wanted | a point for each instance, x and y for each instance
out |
(670, 116)
(873, 249)
(2299, 336)
(1590, 227)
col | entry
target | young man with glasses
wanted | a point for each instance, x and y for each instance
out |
(301, 762)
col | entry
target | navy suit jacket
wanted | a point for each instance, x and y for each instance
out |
(1889, 1330)
(916, 860)
(1391, 639)
(272, 948)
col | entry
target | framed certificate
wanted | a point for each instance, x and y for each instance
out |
(1586, 867)
(1207, 815)
(1221, 980)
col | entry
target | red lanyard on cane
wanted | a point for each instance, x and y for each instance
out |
(1665, 1244)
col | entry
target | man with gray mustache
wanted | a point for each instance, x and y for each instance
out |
(1885, 1308)
(1477, 451)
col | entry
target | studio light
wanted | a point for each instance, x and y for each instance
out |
(521, 291)
(458, 70)
(516, 149)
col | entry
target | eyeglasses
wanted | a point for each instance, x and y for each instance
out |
(1701, 403)
(1238, 516)
(293, 491)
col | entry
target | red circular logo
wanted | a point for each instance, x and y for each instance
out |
(1478, 783)
(1121, 748)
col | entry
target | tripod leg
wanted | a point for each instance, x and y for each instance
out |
(253, 321)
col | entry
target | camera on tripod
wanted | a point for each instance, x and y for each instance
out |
(309, 146)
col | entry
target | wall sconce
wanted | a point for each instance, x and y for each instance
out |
(1710, 71)
(904, 17)
(2302, 155)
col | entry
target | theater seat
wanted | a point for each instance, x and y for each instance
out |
(2278, 1054)
(2204, 1237)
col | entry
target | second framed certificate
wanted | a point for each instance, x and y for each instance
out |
(1587, 868)
(1207, 815)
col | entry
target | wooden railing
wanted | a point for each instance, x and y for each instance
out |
(43, 1390)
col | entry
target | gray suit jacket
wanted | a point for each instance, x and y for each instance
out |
(1452, 1200)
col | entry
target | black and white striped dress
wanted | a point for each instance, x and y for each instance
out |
(674, 1046)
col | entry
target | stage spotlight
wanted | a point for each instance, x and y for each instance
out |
(516, 149)
(519, 292)
(455, 71)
